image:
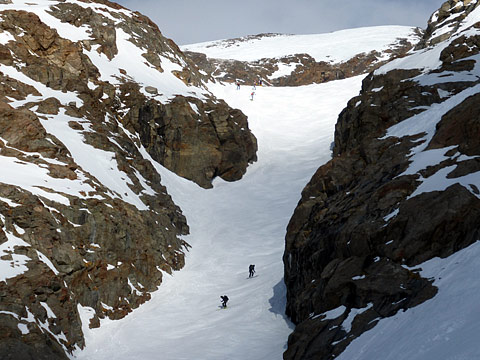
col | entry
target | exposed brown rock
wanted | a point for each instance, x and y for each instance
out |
(109, 254)
(357, 226)
(197, 140)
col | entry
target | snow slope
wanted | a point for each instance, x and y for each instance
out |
(445, 327)
(232, 226)
(236, 224)
(332, 47)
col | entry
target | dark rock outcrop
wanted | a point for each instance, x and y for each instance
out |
(363, 224)
(196, 140)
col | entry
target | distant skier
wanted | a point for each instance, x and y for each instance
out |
(238, 85)
(251, 271)
(254, 86)
(224, 301)
(252, 94)
(260, 82)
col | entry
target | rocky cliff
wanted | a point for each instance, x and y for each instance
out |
(402, 188)
(293, 68)
(92, 98)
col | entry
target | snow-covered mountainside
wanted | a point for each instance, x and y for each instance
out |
(331, 47)
(290, 60)
(363, 254)
(92, 99)
(294, 129)
(107, 129)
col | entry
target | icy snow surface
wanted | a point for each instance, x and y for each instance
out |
(334, 47)
(242, 223)
(232, 226)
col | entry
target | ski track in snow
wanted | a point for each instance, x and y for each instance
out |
(232, 226)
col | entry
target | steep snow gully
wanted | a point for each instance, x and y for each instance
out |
(234, 225)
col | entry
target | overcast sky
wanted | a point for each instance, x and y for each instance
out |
(192, 21)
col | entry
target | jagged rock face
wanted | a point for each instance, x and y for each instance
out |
(197, 140)
(305, 69)
(226, 147)
(376, 211)
(445, 21)
(87, 228)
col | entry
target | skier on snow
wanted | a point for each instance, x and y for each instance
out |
(251, 271)
(224, 301)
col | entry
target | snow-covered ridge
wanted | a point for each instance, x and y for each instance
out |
(445, 20)
(338, 46)
(428, 59)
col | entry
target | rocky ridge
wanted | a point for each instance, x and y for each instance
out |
(88, 230)
(295, 69)
(402, 188)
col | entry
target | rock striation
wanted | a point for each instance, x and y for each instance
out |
(92, 96)
(402, 188)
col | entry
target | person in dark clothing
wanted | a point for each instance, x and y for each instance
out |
(251, 271)
(224, 300)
